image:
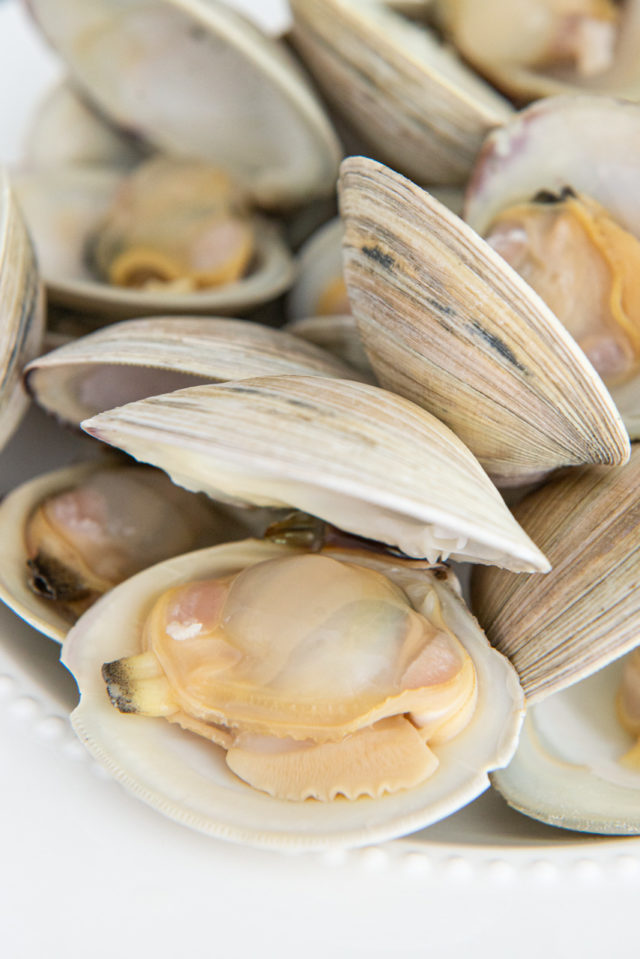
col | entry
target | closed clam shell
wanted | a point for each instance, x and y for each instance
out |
(137, 358)
(195, 78)
(365, 460)
(515, 164)
(21, 309)
(187, 779)
(446, 322)
(564, 626)
(62, 207)
(410, 98)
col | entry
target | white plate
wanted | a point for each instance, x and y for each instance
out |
(89, 871)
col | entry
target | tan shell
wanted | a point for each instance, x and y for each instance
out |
(411, 99)
(21, 310)
(564, 626)
(338, 334)
(137, 358)
(155, 760)
(448, 323)
(365, 460)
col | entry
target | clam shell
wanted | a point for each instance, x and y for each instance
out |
(195, 78)
(62, 206)
(562, 627)
(566, 770)
(15, 510)
(365, 460)
(66, 130)
(446, 322)
(189, 781)
(515, 163)
(22, 310)
(338, 334)
(317, 264)
(137, 358)
(411, 99)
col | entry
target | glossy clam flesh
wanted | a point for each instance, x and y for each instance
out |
(343, 690)
(316, 675)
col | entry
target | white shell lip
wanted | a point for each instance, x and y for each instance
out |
(565, 771)
(264, 57)
(223, 440)
(62, 205)
(188, 780)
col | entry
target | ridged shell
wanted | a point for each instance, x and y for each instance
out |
(136, 358)
(21, 310)
(62, 206)
(564, 626)
(449, 324)
(418, 106)
(188, 780)
(365, 460)
(263, 124)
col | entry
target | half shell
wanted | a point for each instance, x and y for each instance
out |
(446, 322)
(188, 780)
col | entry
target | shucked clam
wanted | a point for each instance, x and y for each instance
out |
(332, 444)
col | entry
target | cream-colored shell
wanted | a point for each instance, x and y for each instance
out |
(21, 310)
(65, 130)
(62, 206)
(114, 365)
(446, 322)
(365, 460)
(188, 780)
(567, 770)
(515, 163)
(318, 262)
(564, 626)
(418, 106)
(218, 89)
(338, 334)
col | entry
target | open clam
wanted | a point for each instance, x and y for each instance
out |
(446, 322)
(70, 535)
(328, 446)
(21, 310)
(565, 633)
(65, 206)
(197, 79)
(132, 359)
(570, 228)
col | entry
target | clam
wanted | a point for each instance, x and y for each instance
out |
(566, 633)
(319, 289)
(570, 228)
(448, 323)
(321, 710)
(66, 130)
(194, 78)
(132, 359)
(410, 98)
(22, 310)
(71, 535)
(535, 48)
(65, 208)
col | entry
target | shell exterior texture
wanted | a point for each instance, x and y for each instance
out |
(446, 322)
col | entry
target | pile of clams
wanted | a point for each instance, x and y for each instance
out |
(296, 422)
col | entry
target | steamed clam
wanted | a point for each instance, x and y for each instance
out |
(566, 633)
(446, 322)
(251, 616)
(570, 228)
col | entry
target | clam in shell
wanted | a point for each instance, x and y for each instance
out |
(446, 322)
(21, 309)
(565, 634)
(187, 778)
